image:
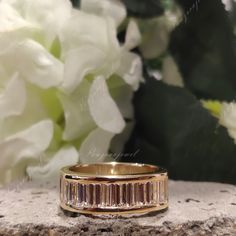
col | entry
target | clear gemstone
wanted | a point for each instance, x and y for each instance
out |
(136, 193)
(120, 195)
(155, 194)
(114, 195)
(98, 194)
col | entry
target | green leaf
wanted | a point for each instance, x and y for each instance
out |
(204, 47)
(176, 131)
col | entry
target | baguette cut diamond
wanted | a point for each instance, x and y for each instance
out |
(111, 195)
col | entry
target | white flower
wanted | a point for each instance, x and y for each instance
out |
(108, 8)
(156, 32)
(171, 74)
(66, 83)
(228, 4)
(228, 118)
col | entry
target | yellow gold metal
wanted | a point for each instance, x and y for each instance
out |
(113, 188)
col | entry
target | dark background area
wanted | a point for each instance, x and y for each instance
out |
(173, 129)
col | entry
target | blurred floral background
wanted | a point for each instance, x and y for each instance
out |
(186, 120)
(99, 80)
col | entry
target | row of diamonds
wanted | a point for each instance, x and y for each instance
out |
(113, 195)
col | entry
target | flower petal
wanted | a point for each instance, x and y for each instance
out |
(49, 16)
(10, 19)
(12, 161)
(122, 94)
(79, 63)
(39, 135)
(155, 38)
(90, 35)
(34, 111)
(103, 108)
(95, 146)
(171, 74)
(28, 144)
(133, 36)
(228, 117)
(34, 63)
(84, 29)
(131, 69)
(13, 98)
(119, 141)
(64, 157)
(228, 114)
(112, 8)
(76, 111)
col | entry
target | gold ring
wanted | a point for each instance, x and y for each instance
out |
(113, 188)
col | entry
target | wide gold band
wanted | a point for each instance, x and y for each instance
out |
(113, 188)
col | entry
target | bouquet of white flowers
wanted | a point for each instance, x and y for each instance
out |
(66, 83)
